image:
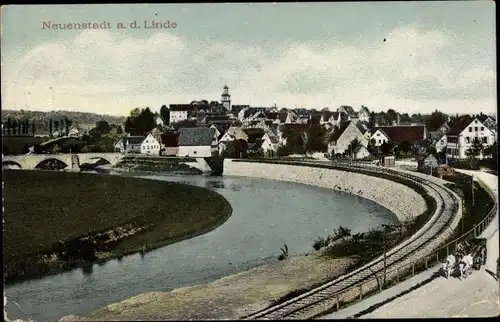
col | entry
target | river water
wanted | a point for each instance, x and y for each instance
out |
(266, 215)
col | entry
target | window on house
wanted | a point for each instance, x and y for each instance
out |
(475, 128)
(485, 139)
(470, 129)
(467, 140)
(194, 152)
(475, 122)
(379, 141)
(378, 134)
(482, 128)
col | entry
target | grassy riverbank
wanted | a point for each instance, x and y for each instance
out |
(42, 208)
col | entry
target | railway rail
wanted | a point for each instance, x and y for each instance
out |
(447, 204)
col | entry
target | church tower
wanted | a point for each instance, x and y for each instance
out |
(226, 98)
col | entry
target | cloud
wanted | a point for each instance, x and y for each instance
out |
(412, 71)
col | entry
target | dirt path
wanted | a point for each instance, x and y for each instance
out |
(230, 297)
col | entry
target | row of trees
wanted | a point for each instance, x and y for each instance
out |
(18, 127)
(60, 125)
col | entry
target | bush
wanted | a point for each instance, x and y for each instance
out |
(319, 243)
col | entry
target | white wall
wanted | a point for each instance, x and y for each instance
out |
(195, 151)
(379, 137)
(150, 146)
(177, 116)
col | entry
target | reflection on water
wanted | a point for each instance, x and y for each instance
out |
(266, 215)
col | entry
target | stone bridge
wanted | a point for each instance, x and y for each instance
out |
(72, 161)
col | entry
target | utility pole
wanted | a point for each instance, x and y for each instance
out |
(472, 183)
(385, 256)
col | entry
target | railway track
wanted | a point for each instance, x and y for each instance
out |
(312, 301)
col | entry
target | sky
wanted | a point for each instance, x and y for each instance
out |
(436, 55)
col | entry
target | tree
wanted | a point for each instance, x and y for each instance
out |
(56, 148)
(50, 126)
(68, 124)
(19, 127)
(235, 149)
(33, 128)
(295, 142)
(14, 127)
(387, 148)
(475, 149)
(352, 147)
(435, 120)
(391, 116)
(487, 151)
(405, 147)
(165, 114)
(56, 125)
(102, 127)
(315, 141)
(8, 125)
(140, 121)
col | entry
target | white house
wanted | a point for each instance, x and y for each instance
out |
(197, 142)
(441, 143)
(119, 146)
(150, 145)
(342, 136)
(291, 118)
(463, 133)
(380, 137)
(270, 142)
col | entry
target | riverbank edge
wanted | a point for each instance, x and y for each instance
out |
(60, 266)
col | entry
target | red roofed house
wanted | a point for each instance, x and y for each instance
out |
(398, 134)
(464, 130)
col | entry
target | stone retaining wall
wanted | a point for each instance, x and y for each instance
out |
(401, 200)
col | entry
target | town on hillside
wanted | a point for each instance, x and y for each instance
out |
(203, 129)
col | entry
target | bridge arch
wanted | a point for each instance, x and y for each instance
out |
(8, 163)
(51, 164)
(99, 160)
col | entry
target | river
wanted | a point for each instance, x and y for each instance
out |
(266, 215)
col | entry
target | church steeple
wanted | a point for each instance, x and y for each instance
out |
(226, 98)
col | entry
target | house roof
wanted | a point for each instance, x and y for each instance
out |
(133, 139)
(403, 133)
(349, 110)
(299, 127)
(459, 124)
(316, 117)
(361, 128)
(272, 137)
(365, 109)
(254, 134)
(282, 116)
(337, 131)
(196, 136)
